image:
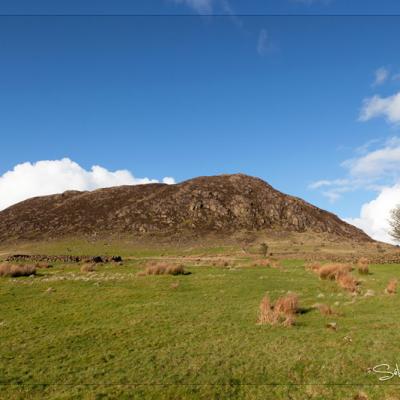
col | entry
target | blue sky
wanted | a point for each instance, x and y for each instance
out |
(180, 96)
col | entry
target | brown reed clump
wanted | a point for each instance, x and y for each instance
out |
(12, 270)
(334, 271)
(266, 312)
(348, 282)
(43, 265)
(283, 311)
(221, 262)
(363, 266)
(325, 309)
(263, 262)
(314, 266)
(164, 269)
(391, 288)
(88, 268)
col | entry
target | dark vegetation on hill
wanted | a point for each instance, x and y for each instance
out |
(222, 204)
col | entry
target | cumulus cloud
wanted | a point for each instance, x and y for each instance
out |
(381, 76)
(56, 176)
(377, 106)
(374, 215)
(375, 170)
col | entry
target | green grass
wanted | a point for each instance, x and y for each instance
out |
(114, 335)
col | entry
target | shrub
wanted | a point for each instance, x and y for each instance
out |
(264, 249)
(17, 270)
(88, 268)
(283, 311)
(391, 288)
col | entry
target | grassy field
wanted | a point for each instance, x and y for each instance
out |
(111, 334)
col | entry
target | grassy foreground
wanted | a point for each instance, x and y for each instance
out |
(111, 334)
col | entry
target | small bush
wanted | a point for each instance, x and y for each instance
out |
(263, 249)
(88, 268)
(283, 311)
(391, 288)
(12, 270)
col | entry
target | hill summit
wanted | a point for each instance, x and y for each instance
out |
(221, 204)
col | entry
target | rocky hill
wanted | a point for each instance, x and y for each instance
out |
(218, 204)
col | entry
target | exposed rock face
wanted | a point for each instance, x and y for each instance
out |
(225, 204)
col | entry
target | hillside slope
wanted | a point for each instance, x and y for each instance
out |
(218, 204)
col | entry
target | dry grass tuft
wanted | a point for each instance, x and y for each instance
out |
(363, 269)
(283, 311)
(164, 269)
(174, 285)
(314, 267)
(391, 288)
(222, 262)
(13, 270)
(287, 305)
(43, 265)
(333, 271)
(262, 263)
(325, 309)
(360, 396)
(363, 266)
(88, 268)
(337, 272)
(267, 314)
(348, 282)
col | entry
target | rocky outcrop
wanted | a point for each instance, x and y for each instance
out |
(219, 204)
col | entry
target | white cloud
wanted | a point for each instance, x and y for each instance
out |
(56, 176)
(377, 163)
(200, 6)
(377, 106)
(263, 44)
(381, 76)
(310, 2)
(326, 182)
(374, 215)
